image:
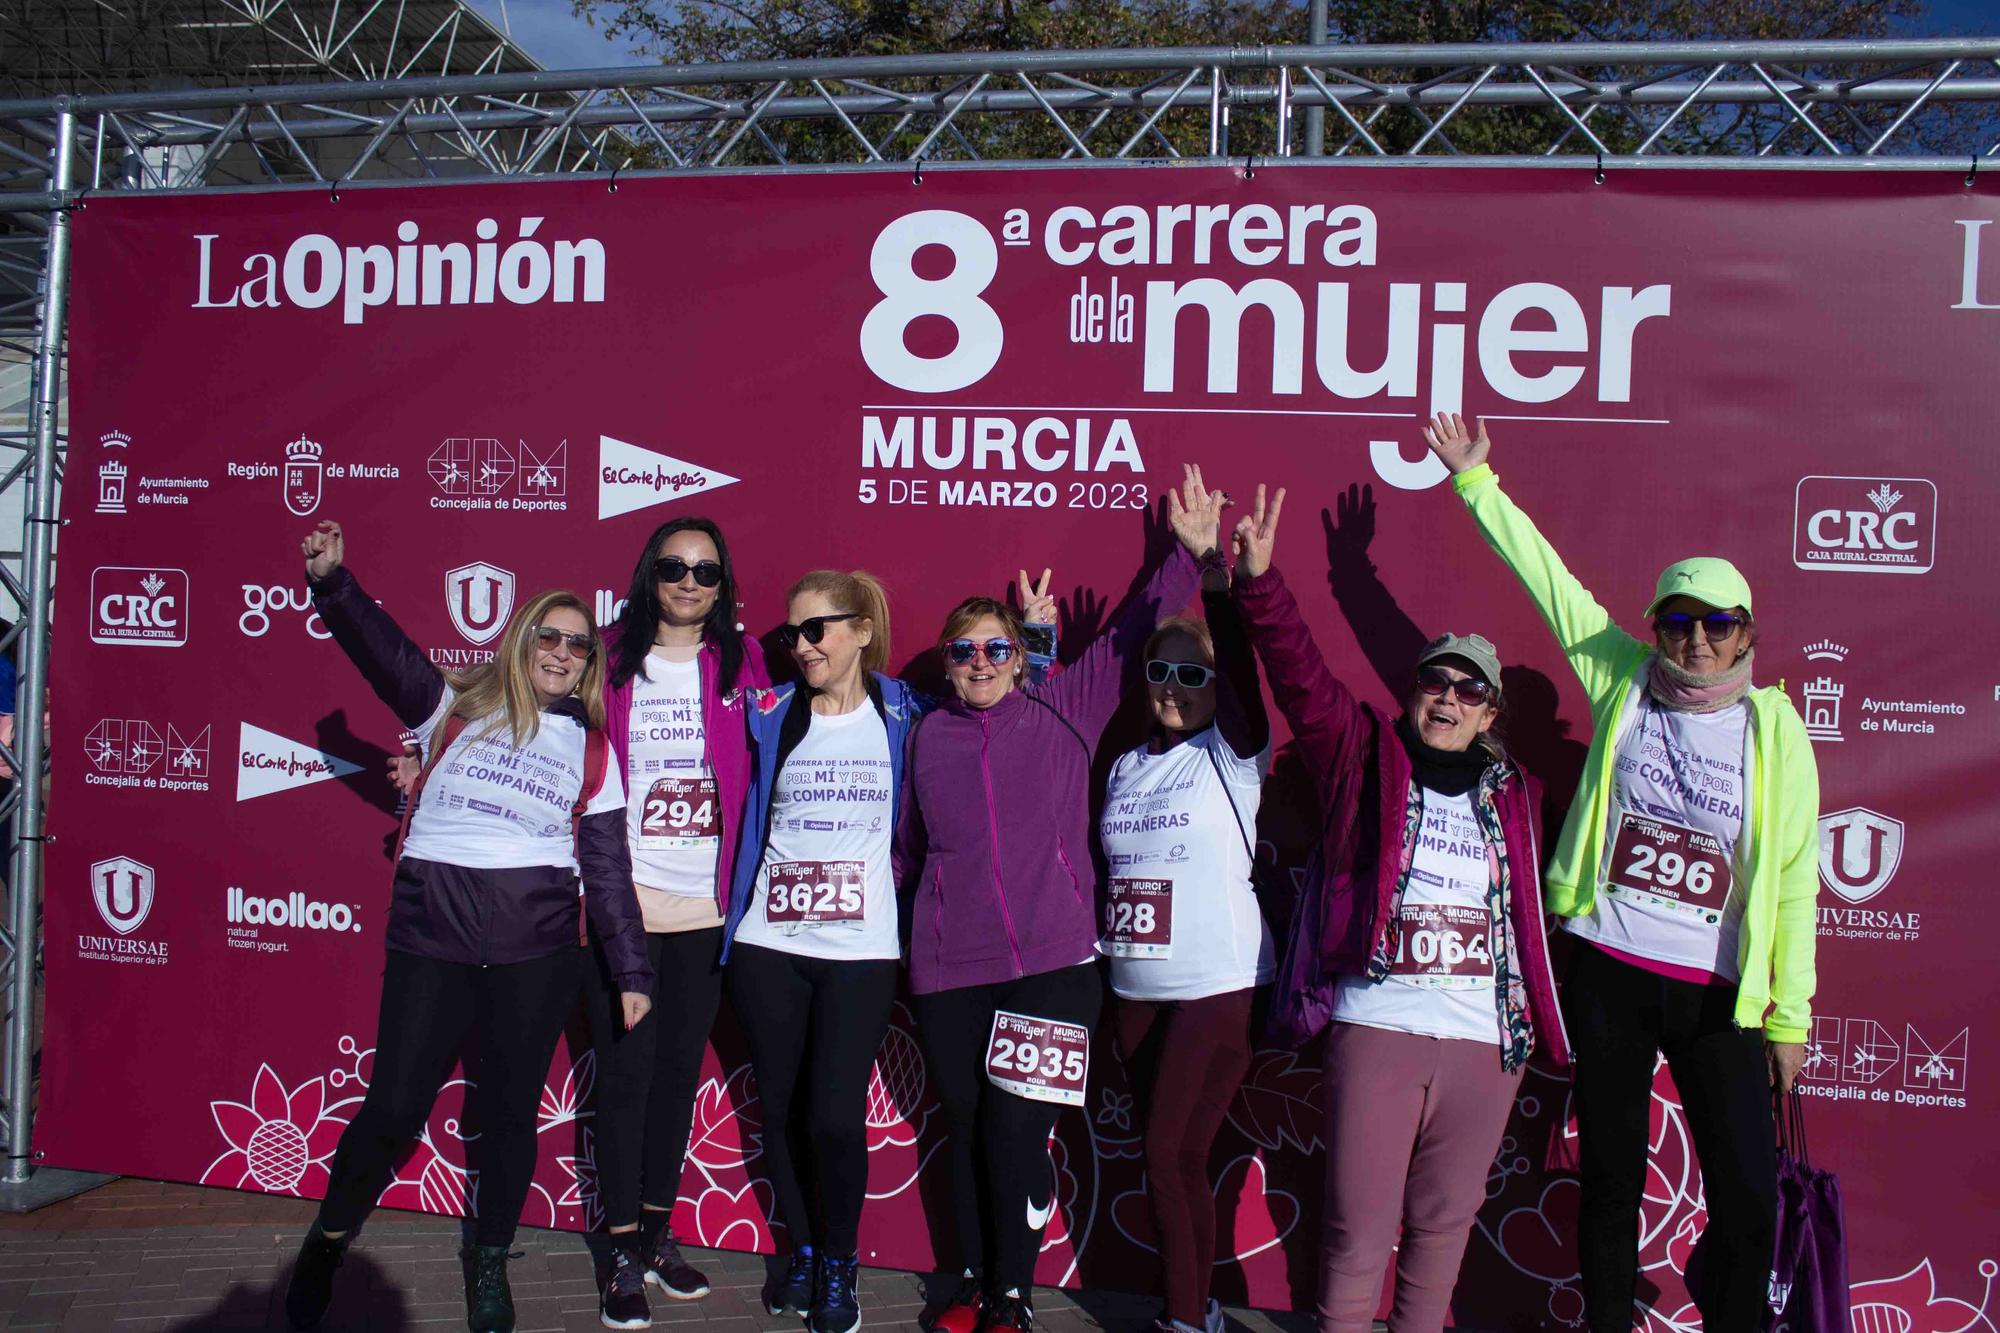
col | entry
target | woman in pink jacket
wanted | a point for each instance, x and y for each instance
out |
(1418, 946)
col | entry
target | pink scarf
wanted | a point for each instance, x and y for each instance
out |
(1689, 692)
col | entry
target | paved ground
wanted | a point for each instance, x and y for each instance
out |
(141, 1255)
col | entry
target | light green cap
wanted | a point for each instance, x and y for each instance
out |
(1706, 578)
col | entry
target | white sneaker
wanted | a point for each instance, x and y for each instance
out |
(1213, 1323)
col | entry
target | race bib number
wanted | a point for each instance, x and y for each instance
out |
(1670, 866)
(678, 810)
(1443, 946)
(808, 894)
(1139, 918)
(1042, 1058)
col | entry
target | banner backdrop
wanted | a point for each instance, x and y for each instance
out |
(502, 388)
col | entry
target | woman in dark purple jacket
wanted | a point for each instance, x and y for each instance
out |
(483, 931)
(1419, 943)
(1003, 925)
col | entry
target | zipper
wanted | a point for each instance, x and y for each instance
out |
(993, 839)
(1062, 855)
(937, 907)
(708, 761)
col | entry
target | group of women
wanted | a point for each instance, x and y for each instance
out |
(814, 846)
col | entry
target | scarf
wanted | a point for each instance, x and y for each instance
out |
(1451, 772)
(1689, 692)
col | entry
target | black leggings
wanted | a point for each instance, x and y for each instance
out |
(647, 1077)
(1619, 1016)
(1008, 1131)
(428, 1010)
(821, 1019)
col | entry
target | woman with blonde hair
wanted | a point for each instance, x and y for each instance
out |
(482, 932)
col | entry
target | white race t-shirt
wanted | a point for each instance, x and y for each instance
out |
(1181, 918)
(824, 888)
(1440, 983)
(675, 824)
(491, 806)
(1669, 890)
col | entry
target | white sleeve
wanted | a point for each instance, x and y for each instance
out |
(1237, 770)
(430, 725)
(611, 796)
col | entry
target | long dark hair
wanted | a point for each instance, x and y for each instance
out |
(640, 619)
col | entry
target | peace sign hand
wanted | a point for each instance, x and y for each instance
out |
(1456, 447)
(1037, 607)
(1195, 513)
(1256, 533)
(324, 549)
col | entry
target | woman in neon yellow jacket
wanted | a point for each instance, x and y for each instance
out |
(1687, 869)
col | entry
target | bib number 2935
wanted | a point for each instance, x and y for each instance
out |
(1045, 1059)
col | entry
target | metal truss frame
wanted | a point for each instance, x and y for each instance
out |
(1925, 106)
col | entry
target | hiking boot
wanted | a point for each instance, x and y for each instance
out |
(489, 1301)
(621, 1292)
(835, 1307)
(961, 1313)
(1007, 1314)
(669, 1272)
(793, 1293)
(311, 1287)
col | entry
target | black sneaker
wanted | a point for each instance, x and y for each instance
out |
(835, 1308)
(793, 1293)
(489, 1301)
(1006, 1314)
(311, 1287)
(621, 1291)
(669, 1272)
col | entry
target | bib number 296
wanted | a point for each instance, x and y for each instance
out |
(1670, 866)
(1044, 1059)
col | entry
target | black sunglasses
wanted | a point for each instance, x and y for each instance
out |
(812, 629)
(998, 651)
(1469, 690)
(1678, 625)
(580, 645)
(672, 569)
(1188, 675)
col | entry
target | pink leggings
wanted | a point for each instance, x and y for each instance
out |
(1412, 1124)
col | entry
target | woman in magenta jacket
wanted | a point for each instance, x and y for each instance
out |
(1419, 945)
(1003, 925)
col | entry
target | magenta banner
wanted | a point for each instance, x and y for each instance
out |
(502, 388)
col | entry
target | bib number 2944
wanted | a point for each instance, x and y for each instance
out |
(1045, 1059)
(1670, 866)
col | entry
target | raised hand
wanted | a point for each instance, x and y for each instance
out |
(324, 548)
(1456, 447)
(1256, 533)
(1195, 513)
(404, 768)
(1037, 607)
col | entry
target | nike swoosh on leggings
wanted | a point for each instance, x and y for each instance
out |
(1038, 1218)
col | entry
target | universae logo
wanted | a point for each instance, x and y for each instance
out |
(1865, 525)
(1860, 851)
(479, 597)
(123, 891)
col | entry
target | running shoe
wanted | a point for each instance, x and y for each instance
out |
(836, 1308)
(961, 1312)
(621, 1290)
(793, 1293)
(489, 1301)
(667, 1270)
(1213, 1323)
(1007, 1313)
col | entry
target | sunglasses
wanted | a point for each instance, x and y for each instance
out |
(812, 629)
(672, 569)
(580, 645)
(1678, 625)
(1187, 675)
(961, 651)
(1468, 690)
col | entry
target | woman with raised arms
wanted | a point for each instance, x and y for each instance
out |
(1420, 947)
(1688, 869)
(1003, 927)
(517, 797)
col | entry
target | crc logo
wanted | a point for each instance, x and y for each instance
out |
(137, 607)
(480, 597)
(1865, 525)
(1859, 851)
(123, 891)
(305, 470)
(259, 603)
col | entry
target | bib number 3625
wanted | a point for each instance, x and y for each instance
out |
(1044, 1059)
(816, 893)
(1139, 918)
(1670, 866)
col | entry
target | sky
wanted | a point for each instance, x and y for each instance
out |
(550, 31)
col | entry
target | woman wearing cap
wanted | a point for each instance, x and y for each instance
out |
(1688, 868)
(1419, 946)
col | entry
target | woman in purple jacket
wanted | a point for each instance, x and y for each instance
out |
(1419, 945)
(1003, 926)
(678, 669)
(482, 932)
